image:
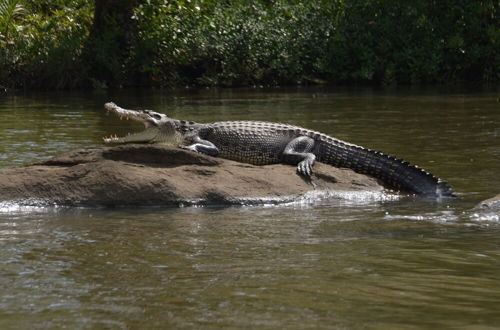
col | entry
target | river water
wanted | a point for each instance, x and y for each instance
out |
(350, 263)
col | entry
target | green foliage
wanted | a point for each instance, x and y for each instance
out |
(260, 42)
(10, 12)
(45, 51)
(416, 41)
(235, 43)
(286, 41)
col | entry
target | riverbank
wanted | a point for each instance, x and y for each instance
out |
(56, 45)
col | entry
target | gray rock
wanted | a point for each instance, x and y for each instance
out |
(491, 204)
(158, 175)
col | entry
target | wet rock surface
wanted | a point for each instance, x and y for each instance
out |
(148, 175)
(491, 204)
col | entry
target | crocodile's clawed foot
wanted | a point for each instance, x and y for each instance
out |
(305, 168)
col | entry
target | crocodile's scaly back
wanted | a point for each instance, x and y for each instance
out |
(262, 143)
(254, 142)
(395, 173)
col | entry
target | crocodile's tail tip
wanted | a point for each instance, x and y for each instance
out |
(444, 190)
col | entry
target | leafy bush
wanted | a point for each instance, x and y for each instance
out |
(234, 43)
(416, 41)
(243, 42)
(45, 50)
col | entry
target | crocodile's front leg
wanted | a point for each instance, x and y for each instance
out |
(298, 151)
(203, 146)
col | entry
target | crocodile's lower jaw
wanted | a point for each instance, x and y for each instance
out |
(146, 136)
(112, 139)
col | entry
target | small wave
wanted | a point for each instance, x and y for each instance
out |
(305, 199)
(468, 218)
(443, 216)
(485, 217)
(308, 198)
(27, 206)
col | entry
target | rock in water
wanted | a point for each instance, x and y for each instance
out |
(148, 175)
(491, 204)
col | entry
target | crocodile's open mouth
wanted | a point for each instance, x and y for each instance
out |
(149, 118)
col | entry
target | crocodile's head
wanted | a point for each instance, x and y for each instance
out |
(159, 128)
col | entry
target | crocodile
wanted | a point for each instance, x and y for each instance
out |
(263, 143)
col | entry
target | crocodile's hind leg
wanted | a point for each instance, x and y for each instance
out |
(298, 151)
(203, 146)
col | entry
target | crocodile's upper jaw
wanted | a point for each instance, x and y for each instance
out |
(156, 126)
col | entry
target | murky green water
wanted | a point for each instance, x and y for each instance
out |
(350, 263)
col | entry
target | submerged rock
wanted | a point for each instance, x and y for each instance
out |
(158, 175)
(491, 204)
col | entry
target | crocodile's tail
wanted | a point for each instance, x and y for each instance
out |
(394, 173)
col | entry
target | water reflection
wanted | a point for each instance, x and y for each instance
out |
(318, 266)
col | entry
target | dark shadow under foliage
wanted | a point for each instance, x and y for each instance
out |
(64, 44)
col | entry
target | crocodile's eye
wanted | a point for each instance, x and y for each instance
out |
(156, 116)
